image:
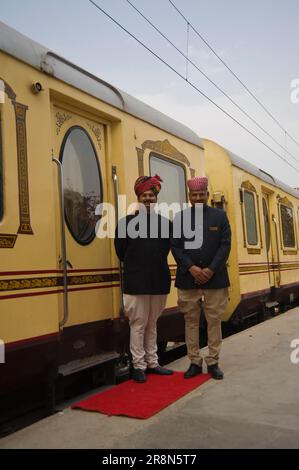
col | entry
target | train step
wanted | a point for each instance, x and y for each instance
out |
(86, 363)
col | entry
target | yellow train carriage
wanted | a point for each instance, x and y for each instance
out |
(263, 212)
(65, 138)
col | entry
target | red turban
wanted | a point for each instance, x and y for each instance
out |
(199, 183)
(147, 183)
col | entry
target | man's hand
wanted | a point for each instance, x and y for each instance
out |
(200, 275)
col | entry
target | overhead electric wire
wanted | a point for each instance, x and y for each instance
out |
(190, 83)
(234, 74)
(188, 60)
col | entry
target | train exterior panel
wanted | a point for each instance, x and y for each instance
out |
(54, 110)
(263, 212)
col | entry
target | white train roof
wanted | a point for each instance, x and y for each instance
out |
(17, 45)
(263, 175)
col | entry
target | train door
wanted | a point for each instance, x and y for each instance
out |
(80, 184)
(268, 239)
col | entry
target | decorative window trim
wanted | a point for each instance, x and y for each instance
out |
(62, 147)
(251, 249)
(287, 250)
(163, 148)
(169, 160)
(20, 110)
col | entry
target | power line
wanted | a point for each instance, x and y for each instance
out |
(233, 73)
(190, 83)
(208, 78)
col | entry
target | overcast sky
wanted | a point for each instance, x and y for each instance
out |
(258, 39)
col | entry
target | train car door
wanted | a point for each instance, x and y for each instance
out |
(84, 260)
(268, 239)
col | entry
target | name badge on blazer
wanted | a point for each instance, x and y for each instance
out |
(214, 229)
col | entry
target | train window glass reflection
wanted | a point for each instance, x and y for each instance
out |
(287, 226)
(82, 184)
(250, 216)
(174, 179)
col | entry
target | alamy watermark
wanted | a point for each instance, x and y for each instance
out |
(295, 91)
(2, 352)
(187, 223)
(2, 91)
(295, 354)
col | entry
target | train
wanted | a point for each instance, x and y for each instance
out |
(70, 141)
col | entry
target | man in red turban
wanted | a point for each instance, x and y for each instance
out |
(147, 183)
(146, 278)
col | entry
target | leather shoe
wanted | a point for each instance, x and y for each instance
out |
(159, 371)
(138, 375)
(216, 373)
(193, 371)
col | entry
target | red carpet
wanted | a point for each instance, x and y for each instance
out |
(142, 400)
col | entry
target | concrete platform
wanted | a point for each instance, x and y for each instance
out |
(255, 406)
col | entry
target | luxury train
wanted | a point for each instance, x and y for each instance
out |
(69, 141)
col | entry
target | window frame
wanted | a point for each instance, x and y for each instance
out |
(62, 147)
(287, 249)
(257, 248)
(173, 162)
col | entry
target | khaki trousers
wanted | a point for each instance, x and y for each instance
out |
(143, 312)
(214, 302)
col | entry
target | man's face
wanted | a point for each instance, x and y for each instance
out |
(198, 197)
(147, 198)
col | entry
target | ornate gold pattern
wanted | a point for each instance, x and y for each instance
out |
(192, 172)
(166, 148)
(7, 241)
(20, 111)
(9, 91)
(248, 185)
(162, 147)
(285, 201)
(254, 251)
(56, 281)
(97, 133)
(61, 118)
(30, 283)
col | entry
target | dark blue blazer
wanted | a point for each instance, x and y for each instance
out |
(213, 253)
(146, 270)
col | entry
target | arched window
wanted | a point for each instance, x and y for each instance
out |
(82, 184)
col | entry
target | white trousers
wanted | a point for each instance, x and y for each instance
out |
(143, 312)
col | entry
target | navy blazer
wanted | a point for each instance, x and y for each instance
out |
(213, 253)
(146, 270)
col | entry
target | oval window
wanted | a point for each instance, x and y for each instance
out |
(82, 184)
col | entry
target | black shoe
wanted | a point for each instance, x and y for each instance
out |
(159, 370)
(216, 373)
(138, 375)
(193, 371)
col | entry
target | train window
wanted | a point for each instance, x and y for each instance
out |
(82, 184)
(174, 179)
(287, 226)
(250, 217)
